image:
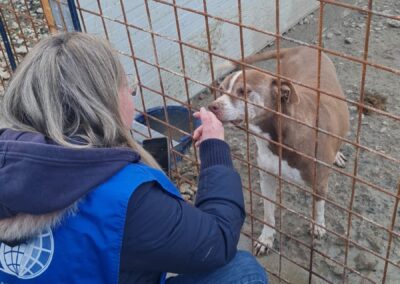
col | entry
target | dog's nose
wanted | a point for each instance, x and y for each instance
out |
(213, 107)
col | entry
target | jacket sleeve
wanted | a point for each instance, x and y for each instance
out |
(163, 233)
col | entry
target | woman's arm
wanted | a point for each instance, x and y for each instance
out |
(163, 233)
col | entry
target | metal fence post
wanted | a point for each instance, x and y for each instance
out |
(74, 15)
(7, 45)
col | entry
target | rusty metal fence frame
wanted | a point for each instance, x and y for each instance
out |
(76, 10)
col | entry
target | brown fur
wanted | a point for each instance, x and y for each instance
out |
(298, 64)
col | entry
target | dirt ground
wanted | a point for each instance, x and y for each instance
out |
(344, 31)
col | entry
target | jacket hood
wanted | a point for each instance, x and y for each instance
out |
(39, 177)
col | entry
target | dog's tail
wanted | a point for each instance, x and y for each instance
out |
(266, 55)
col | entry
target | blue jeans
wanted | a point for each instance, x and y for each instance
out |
(242, 269)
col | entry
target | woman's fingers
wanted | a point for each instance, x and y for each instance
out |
(211, 127)
(197, 133)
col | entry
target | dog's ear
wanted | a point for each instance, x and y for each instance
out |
(288, 92)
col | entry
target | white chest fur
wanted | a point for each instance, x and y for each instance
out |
(270, 162)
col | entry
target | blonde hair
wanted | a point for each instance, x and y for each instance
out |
(67, 87)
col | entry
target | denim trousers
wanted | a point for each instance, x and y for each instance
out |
(242, 269)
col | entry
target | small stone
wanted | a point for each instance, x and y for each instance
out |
(329, 35)
(39, 11)
(186, 189)
(335, 269)
(378, 29)
(375, 246)
(202, 96)
(235, 140)
(317, 242)
(186, 197)
(348, 40)
(298, 232)
(393, 23)
(337, 32)
(363, 119)
(385, 122)
(19, 41)
(339, 241)
(364, 262)
(383, 129)
(21, 50)
(370, 210)
(5, 75)
(27, 31)
(306, 21)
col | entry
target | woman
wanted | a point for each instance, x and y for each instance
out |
(82, 202)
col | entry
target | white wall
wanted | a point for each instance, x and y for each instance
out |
(225, 37)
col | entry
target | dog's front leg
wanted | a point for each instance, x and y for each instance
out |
(319, 227)
(268, 190)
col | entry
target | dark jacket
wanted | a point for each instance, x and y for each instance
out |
(162, 233)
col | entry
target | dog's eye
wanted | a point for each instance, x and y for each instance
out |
(220, 92)
(241, 91)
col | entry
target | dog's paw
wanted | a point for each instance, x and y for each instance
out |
(264, 242)
(319, 232)
(340, 160)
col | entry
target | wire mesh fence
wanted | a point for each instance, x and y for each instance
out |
(362, 239)
(22, 25)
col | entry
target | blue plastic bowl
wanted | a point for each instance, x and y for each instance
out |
(178, 117)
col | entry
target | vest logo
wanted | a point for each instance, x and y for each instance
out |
(28, 260)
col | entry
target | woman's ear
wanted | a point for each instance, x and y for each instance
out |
(288, 92)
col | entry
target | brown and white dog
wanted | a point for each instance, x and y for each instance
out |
(298, 64)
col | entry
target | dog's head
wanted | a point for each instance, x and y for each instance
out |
(261, 90)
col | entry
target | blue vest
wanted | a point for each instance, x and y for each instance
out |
(86, 247)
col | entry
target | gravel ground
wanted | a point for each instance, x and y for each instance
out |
(27, 25)
(344, 31)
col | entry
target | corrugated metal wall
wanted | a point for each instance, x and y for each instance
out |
(224, 36)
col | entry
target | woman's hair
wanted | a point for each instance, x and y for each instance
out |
(66, 88)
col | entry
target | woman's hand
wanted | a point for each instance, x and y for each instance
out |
(211, 127)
